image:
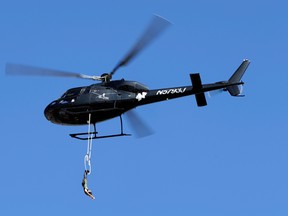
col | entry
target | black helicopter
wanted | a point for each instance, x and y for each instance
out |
(111, 98)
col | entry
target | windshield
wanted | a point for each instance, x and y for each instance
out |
(73, 92)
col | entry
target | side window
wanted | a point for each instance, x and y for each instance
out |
(141, 87)
(128, 88)
(92, 90)
(82, 90)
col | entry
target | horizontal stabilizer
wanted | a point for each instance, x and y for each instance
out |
(201, 99)
(197, 87)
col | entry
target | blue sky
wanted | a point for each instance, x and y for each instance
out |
(229, 158)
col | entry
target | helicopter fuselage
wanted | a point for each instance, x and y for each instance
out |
(111, 99)
(104, 101)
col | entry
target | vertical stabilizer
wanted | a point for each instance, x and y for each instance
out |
(235, 90)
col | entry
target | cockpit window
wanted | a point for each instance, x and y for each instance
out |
(73, 92)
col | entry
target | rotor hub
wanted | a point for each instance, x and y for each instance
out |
(106, 77)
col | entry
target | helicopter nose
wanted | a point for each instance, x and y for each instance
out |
(49, 111)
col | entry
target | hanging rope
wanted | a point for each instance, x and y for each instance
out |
(87, 157)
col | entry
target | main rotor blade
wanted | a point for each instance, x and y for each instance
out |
(155, 28)
(140, 128)
(26, 70)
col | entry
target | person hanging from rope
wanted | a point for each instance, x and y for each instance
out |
(85, 185)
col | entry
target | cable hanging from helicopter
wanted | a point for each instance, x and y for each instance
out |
(87, 157)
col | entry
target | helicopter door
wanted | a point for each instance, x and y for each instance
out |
(122, 98)
(104, 97)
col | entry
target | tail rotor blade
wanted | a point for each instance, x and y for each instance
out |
(214, 93)
(241, 89)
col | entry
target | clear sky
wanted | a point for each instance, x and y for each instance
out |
(229, 158)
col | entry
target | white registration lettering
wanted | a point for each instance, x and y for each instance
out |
(171, 91)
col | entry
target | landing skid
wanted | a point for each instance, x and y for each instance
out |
(81, 136)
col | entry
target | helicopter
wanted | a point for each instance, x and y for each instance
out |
(109, 98)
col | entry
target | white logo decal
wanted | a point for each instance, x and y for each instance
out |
(103, 97)
(100, 96)
(141, 96)
(171, 91)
